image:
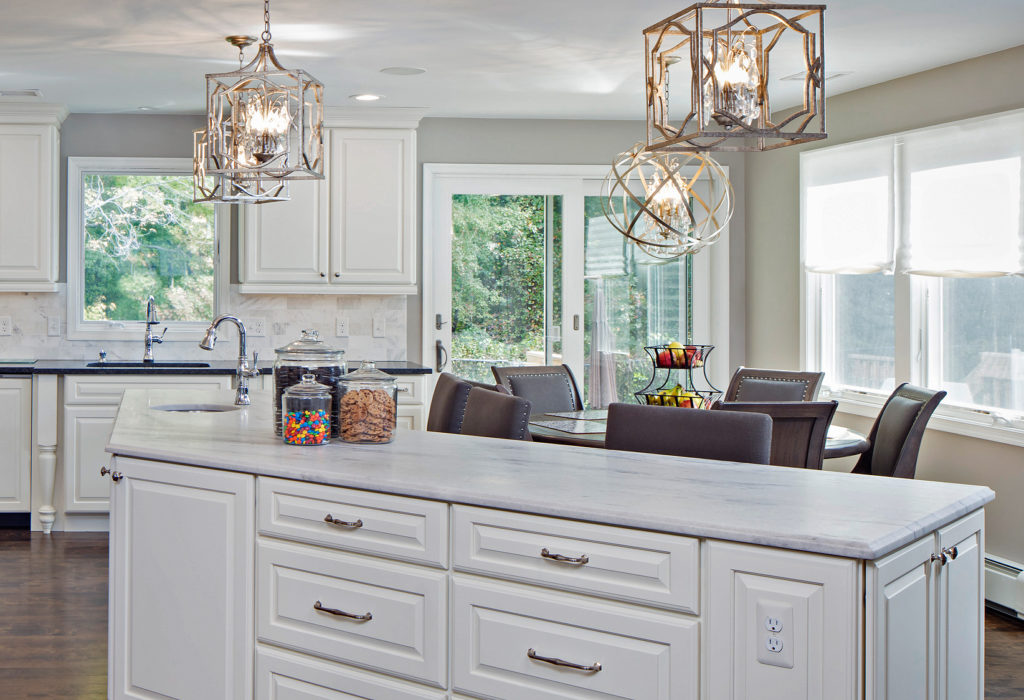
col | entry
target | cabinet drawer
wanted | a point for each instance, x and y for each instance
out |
(107, 390)
(404, 634)
(391, 526)
(410, 389)
(632, 565)
(282, 675)
(643, 655)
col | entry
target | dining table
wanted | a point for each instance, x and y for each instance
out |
(587, 429)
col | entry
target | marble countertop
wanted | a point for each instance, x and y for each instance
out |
(848, 515)
(163, 367)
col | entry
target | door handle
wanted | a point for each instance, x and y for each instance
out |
(442, 356)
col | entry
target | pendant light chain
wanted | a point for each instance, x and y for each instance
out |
(266, 22)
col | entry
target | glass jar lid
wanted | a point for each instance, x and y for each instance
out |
(310, 346)
(367, 372)
(309, 387)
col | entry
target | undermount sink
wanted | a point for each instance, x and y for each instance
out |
(196, 407)
(151, 365)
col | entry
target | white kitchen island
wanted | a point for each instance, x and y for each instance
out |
(446, 566)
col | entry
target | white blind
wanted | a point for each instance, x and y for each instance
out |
(962, 190)
(846, 208)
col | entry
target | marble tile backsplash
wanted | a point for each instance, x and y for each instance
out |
(285, 317)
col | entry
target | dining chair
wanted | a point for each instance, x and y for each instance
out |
(497, 415)
(799, 429)
(690, 432)
(448, 403)
(750, 384)
(897, 432)
(547, 388)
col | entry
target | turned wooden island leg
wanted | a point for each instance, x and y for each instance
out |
(45, 464)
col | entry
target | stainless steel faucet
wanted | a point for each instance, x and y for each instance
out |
(244, 372)
(151, 320)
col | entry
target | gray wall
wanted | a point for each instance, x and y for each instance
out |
(565, 142)
(980, 86)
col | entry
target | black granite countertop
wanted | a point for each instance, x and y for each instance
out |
(171, 367)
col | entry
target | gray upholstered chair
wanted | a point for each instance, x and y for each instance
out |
(749, 384)
(799, 429)
(897, 433)
(496, 414)
(448, 404)
(547, 388)
(690, 432)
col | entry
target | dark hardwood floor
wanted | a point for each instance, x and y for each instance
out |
(53, 622)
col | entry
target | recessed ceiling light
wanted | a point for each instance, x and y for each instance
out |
(402, 70)
(30, 93)
(828, 76)
(366, 97)
(146, 109)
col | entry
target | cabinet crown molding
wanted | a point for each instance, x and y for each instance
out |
(374, 117)
(12, 112)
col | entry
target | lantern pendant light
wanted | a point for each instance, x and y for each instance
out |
(264, 128)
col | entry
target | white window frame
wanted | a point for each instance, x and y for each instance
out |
(177, 331)
(917, 341)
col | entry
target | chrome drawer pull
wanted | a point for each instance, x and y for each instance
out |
(403, 390)
(951, 552)
(581, 559)
(341, 613)
(592, 668)
(343, 523)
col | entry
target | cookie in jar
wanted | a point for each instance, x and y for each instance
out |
(369, 403)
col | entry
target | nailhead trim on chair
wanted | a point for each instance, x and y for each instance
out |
(568, 386)
(807, 385)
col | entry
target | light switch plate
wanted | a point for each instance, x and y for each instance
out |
(53, 326)
(341, 326)
(775, 633)
(379, 326)
(5, 325)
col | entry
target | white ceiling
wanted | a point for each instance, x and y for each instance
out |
(524, 58)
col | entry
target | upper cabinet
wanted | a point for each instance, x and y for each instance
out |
(352, 233)
(29, 196)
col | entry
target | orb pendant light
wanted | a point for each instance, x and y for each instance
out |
(264, 128)
(668, 204)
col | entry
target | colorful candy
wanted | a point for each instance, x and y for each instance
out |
(307, 427)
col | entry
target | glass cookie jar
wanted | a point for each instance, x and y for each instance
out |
(309, 354)
(369, 400)
(306, 413)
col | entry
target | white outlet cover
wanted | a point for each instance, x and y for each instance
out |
(341, 326)
(775, 633)
(379, 326)
(6, 327)
(256, 327)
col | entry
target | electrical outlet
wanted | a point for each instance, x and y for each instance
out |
(379, 326)
(775, 633)
(5, 325)
(341, 326)
(256, 327)
(53, 326)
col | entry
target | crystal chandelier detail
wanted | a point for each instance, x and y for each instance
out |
(264, 128)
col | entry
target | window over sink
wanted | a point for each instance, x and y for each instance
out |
(134, 232)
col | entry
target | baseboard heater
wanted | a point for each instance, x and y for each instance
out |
(1004, 585)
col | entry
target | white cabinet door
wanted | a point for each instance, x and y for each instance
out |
(181, 583)
(28, 201)
(961, 619)
(286, 242)
(410, 417)
(86, 432)
(782, 624)
(373, 199)
(899, 623)
(16, 438)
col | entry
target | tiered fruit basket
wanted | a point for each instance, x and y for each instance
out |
(679, 363)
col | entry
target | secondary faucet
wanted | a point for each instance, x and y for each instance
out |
(151, 320)
(244, 372)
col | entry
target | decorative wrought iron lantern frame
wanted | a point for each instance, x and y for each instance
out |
(700, 33)
(234, 162)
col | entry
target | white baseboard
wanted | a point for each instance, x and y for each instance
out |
(1004, 583)
(87, 523)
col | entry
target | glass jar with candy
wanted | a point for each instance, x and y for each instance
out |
(306, 413)
(308, 355)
